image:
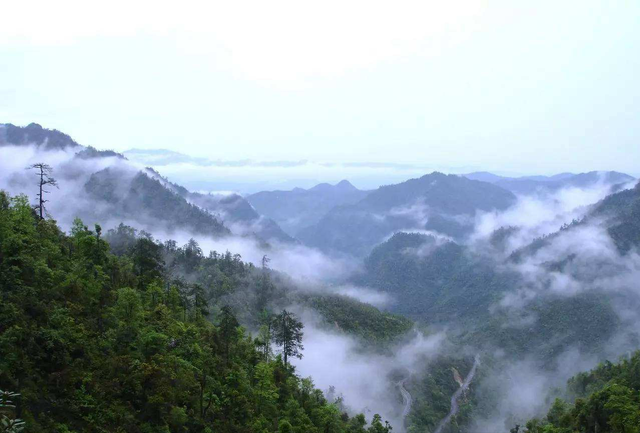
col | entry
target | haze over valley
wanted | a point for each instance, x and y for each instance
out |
(336, 217)
(400, 289)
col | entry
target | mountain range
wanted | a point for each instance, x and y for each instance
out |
(301, 208)
(527, 185)
(436, 202)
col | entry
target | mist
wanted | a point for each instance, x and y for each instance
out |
(576, 256)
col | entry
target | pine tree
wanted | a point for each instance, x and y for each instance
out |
(287, 332)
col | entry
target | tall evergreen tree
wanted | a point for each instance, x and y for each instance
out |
(287, 333)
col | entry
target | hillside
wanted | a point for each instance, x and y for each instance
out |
(95, 342)
(534, 300)
(605, 399)
(129, 195)
(233, 210)
(299, 208)
(124, 193)
(34, 134)
(438, 202)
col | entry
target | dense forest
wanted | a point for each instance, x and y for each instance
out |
(94, 341)
(605, 400)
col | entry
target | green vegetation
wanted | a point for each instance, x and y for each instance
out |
(97, 342)
(145, 198)
(434, 281)
(432, 396)
(363, 320)
(8, 421)
(607, 400)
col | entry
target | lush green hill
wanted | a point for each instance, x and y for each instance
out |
(622, 212)
(605, 400)
(445, 283)
(95, 342)
(433, 280)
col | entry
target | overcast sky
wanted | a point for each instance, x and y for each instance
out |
(505, 85)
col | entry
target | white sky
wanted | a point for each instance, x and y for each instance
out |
(504, 85)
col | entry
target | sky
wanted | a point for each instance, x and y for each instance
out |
(500, 85)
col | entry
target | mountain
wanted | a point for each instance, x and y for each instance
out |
(235, 212)
(536, 298)
(125, 195)
(527, 185)
(34, 134)
(622, 212)
(48, 139)
(299, 208)
(437, 202)
(605, 399)
(96, 342)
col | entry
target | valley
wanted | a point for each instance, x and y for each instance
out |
(395, 288)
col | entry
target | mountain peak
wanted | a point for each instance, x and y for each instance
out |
(35, 134)
(345, 185)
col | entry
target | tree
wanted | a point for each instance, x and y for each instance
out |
(377, 426)
(228, 329)
(44, 173)
(287, 332)
(265, 287)
(265, 335)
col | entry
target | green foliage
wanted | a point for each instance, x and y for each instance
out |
(432, 393)
(146, 198)
(287, 333)
(95, 342)
(607, 400)
(8, 422)
(363, 320)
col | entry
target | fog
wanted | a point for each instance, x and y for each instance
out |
(365, 380)
(575, 258)
(540, 214)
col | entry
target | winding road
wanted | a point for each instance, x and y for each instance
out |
(406, 400)
(456, 395)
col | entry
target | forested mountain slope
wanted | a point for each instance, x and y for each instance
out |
(535, 299)
(438, 202)
(232, 209)
(95, 342)
(130, 195)
(48, 139)
(606, 400)
(120, 190)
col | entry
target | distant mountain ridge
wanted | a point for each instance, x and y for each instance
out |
(48, 139)
(35, 134)
(129, 194)
(299, 208)
(437, 202)
(232, 209)
(527, 185)
(440, 282)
